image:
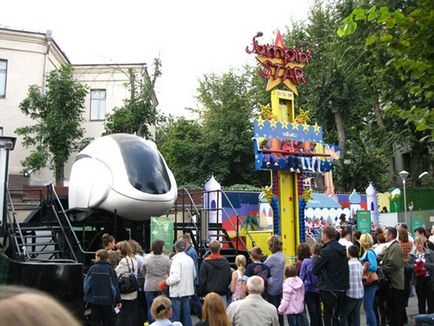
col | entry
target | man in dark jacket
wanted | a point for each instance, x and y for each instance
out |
(215, 273)
(101, 290)
(331, 267)
(393, 269)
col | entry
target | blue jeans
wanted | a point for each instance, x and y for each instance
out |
(297, 320)
(275, 301)
(150, 296)
(196, 306)
(313, 303)
(351, 308)
(368, 304)
(181, 310)
(425, 319)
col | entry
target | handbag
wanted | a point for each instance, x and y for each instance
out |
(128, 281)
(369, 278)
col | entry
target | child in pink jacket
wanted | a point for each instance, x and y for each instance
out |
(292, 303)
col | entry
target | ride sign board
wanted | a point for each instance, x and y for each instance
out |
(162, 229)
(363, 221)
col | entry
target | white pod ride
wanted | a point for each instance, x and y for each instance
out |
(122, 173)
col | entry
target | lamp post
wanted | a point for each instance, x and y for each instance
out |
(7, 144)
(404, 174)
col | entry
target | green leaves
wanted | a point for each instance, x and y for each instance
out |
(58, 116)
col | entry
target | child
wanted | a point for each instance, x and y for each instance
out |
(354, 295)
(257, 267)
(237, 287)
(292, 303)
(101, 290)
(310, 280)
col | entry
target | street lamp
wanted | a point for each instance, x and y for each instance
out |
(422, 175)
(7, 144)
(404, 174)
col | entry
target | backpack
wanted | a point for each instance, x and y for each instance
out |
(128, 281)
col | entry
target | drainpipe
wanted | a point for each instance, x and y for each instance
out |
(48, 36)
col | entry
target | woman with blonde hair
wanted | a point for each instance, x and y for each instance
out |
(127, 265)
(237, 288)
(214, 311)
(369, 262)
(161, 310)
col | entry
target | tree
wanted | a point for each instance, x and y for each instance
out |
(59, 113)
(139, 110)
(408, 33)
(402, 33)
(339, 95)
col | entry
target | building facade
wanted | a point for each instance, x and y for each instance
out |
(25, 59)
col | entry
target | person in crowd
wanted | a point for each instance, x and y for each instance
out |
(128, 264)
(257, 267)
(196, 305)
(161, 310)
(431, 237)
(21, 306)
(393, 269)
(380, 245)
(354, 295)
(292, 303)
(101, 290)
(356, 240)
(214, 311)
(237, 288)
(384, 210)
(311, 289)
(141, 304)
(303, 252)
(109, 244)
(253, 310)
(155, 269)
(181, 283)
(345, 239)
(405, 227)
(369, 262)
(406, 246)
(276, 264)
(421, 264)
(215, 273)
(331, 267)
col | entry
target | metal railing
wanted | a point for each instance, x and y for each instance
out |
(14, 223)
(194, 208)
(52, 192)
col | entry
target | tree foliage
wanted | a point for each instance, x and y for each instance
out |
(408, 33)
(220, 142)
(58, 114)
(139, 110)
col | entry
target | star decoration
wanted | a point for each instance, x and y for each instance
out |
(273, 82)
(295, 125)
(307, 195)
(285, 125)
(303, 116)
(267, 193)
(266, 112)
(316, 128)
(261, 122)
(305, 127)
(273, 123)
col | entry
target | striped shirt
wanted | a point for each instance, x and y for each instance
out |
(356, 274)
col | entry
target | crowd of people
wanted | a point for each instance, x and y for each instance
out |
(329, 283)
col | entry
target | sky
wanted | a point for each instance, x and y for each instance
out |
(191, 37)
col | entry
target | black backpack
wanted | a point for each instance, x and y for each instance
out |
(128, 281)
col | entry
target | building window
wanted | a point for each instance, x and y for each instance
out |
(3, 71)
(97, 104)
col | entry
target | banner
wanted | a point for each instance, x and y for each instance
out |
(363, 221)
(162, 229)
